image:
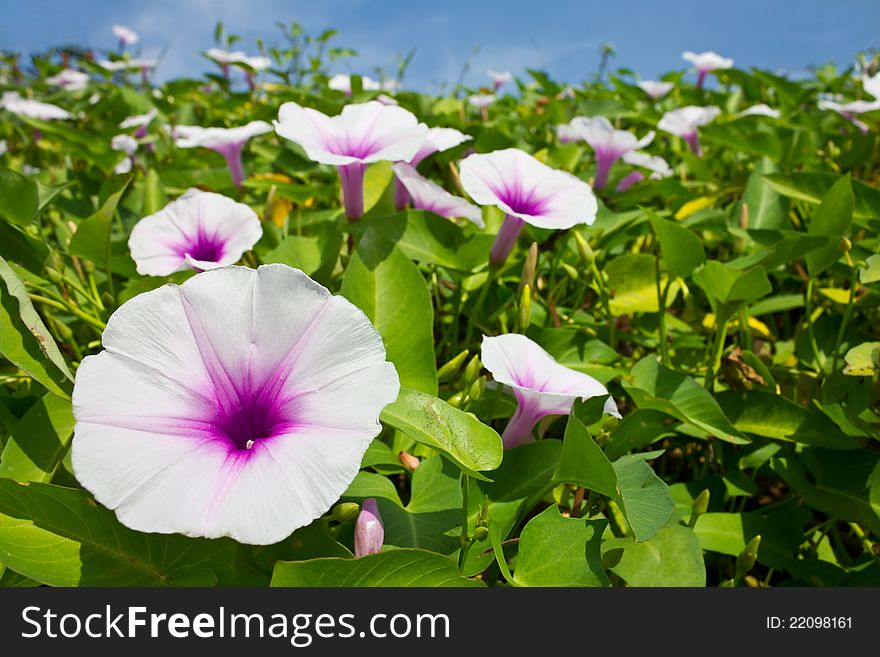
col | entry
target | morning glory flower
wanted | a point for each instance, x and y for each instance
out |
(34, 109)
(540, 384)
(871, 85)
(527, 191)
(251, 66)
(4, 147)
(237, 404)
(655, 90)
(481, 101)
(200, 230)
(608, 143)
(437, 140)
(684, 122)
(128, 145)
(363, 133)
(706, 62)
(139, 121)
(342, 82)
(428, 195)
(369, 532)
(229, 142)
(761, 109)
(69, 79)
(499, 78)
(850, 110)
(658, 167)
(126, 35)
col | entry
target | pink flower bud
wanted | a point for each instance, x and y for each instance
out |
(369, 532)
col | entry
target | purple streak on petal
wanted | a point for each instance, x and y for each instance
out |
(141, 132)
(352, 178)
(422, 153)
(701, 78)
(693, 140)
(629, 180)
(232, 154)
(38, 134)
(145, 76)
(401, 196)
(604, 161)
(504, 241)
(519, 429)
(369, 532)
(251, 81)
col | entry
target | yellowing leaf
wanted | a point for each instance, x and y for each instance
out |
(755, 325)
(697, 204)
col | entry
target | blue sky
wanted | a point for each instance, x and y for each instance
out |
(562, 38)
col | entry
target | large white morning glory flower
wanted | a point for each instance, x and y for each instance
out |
(363, 133)
(428, 195)
(237, 404)
(706, 62)
(683, 122)
(655, 90)
(527, 191)
(34, 109)
(436, 141)
(342, 82)
(540, 384)
(69, 79)
(126, 35)
(200, 230)
(608, 143)
(851, 110)
(229, 142)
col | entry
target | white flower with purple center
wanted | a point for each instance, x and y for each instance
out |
(363, 133)
(540, 384)
(139, 121)
(527, 191)
(12, 101)
(499, 78)
(658, 167)
(126, 35)
(237, 404)
(481, 101)
(228, 142)
(705, 63)
(200, 230)
(655, 89)
(683, 122)
(436, 141)
(69, 79)
(428, 195)
(128, 145)
(851, 110)
(608, 143)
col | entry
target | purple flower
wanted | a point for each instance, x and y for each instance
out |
(361, 134)
(200, 230)
(655, 90)
(706, 62)
(237, 404)
(369, 532)
(436, 140)
(540, 384)
(607, 143)
(684, 122)
(427, 195)
(527, 191)
(229, 142)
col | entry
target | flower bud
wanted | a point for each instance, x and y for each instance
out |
(369, 532)
(584, 249)
(345, 511)
(54, 275)
(451, 368)
(748, 556)
(571, 271)
(525, 308)
(481, 533)
(477, 388)
(528, 272)
(408, 460)
(700, 506)
(472, 370)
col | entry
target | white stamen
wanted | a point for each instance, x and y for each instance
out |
(249, 444)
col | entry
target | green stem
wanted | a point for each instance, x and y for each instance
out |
(606, 303)
(717, 350)
(847, 316)
(811, 334)
(478, 306)
(661, 312)
(98, 324)
(465, 538)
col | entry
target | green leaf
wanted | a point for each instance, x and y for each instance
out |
(767, 208)
(391, 568)
(632, 278)
(812, 188)
(681, 250)
(863, 359)
(376, 179)
(382, 282)
(470, 444)
(832, 218)
(39, 441)
(583, 463)
(61, 537)
(871, 272)
(645, 498)
(24, 339)
(18, 198)
(559, 551)
(729, 289)
(154, 193)
(654, 386)
(673, 557)
(92, 237)
(431, 239)
(772, 416)
(315, 254)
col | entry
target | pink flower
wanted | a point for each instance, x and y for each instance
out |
(369, 532)
(607, 143)
(527, 191)
(363, 133)
(229, 142)
(684, 122)
(427, 195)
(437, 140)
(540, 384)
(237, 404)
(706, 62)
(200, 230)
